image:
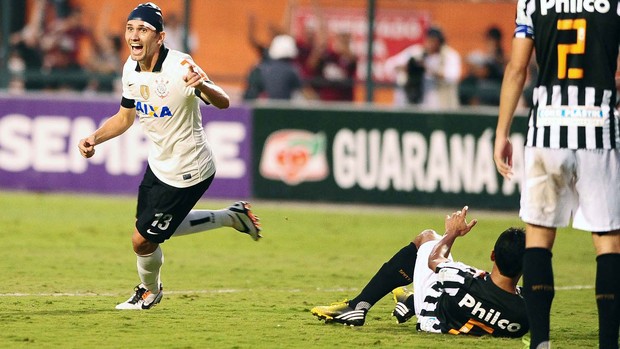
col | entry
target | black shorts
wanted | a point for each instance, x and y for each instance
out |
(162, 207)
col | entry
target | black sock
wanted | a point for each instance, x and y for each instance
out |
(396, 272)
(538, 292)
(608, 299)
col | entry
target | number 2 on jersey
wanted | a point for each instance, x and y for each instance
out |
(576, 48)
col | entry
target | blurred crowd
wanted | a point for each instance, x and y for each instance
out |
(315, 65)
(49, 52)
(321, 65)
(59, 49)
(56, 50)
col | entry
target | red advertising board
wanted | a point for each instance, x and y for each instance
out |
(395, 30)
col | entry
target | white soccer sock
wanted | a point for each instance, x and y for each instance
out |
(148, 269)
(202, 220)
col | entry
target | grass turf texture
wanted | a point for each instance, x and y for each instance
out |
(67, 260)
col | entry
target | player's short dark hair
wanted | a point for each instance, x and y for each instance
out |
(149, 13)
(509, 249)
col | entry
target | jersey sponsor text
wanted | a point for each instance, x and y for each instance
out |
(153, 111)
(570, 116)
(574, 6)
(489, 315)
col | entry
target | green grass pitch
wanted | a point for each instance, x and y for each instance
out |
(66, 260)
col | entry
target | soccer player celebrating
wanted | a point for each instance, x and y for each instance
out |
(572, 155)
(162, 86)
(448, 297)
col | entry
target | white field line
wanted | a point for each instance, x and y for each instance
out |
(224, 290)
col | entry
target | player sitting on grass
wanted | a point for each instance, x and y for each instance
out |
(448, 296)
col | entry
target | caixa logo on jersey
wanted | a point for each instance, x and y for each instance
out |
(157, 112)
(294, 156)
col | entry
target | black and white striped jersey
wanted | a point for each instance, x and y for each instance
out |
(576, 44)
(465, 301)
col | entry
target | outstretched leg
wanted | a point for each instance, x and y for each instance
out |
(238, 216)
(396, 272)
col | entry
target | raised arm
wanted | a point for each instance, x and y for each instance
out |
(252, 38)
(321, 38)
(456, 225)
(208, 90)
(113, 127)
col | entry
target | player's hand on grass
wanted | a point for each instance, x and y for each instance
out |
(87, 147)
(456, 223)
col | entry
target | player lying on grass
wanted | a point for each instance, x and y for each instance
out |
(448, 296)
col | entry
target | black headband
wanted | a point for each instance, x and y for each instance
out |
(150, 14)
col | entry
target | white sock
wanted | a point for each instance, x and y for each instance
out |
(203, 220)
(148, 269)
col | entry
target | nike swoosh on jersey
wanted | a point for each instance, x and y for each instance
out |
(150, 232)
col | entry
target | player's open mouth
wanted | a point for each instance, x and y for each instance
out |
(136, 49)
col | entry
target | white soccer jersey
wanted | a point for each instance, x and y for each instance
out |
(179, 153)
